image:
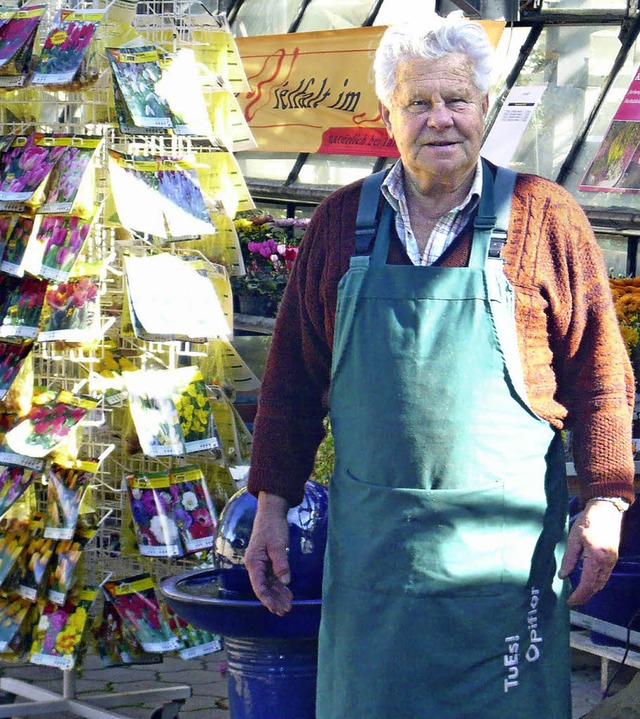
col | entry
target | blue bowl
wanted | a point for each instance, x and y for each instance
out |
(198, 597)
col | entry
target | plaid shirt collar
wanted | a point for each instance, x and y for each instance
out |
(447, 227)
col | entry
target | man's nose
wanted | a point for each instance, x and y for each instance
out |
(439, 115)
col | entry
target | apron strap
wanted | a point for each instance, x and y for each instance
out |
(367, 217)
(491, 224)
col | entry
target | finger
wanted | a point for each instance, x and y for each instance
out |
(595, 574)
(569, 559)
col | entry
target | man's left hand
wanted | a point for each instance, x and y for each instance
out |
(595, 535)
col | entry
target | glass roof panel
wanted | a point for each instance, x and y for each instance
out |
(582, 5)
(265, 165)
(393, 11)
(619, 156)
(330, 15)
(566, 68)
(264, 17)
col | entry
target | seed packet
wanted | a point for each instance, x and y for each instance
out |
(17, 38)
(8, 221)
(59, 239)
(65, 561)
(11, 546)
(61, 630)
(154, 413)
(160, 196)
(71, 311)
(135, 601)
(14, 253)
(136, 71)
(193, 508)
(196, 642)
(115, 642)
(13, 611)
(65, 46)
(33, 563)
(196, 419)
(65, 490)
(25, 168)
(151, 503)
(49, 424)
(174, 300)
(22, 308)
(6, 14)
(13, 483)
(71, 187)
(12, 358)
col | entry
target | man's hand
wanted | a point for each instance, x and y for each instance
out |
(266, 556)
(595, 535)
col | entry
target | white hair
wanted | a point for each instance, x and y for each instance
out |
(430, 39)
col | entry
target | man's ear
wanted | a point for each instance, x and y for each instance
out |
(384, 114)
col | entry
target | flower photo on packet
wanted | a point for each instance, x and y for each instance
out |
(151, 505)
(25, 169)
(196, 418)
(13, 484)
(11, 546)
(17, 38)
(71, 311)
(193, 509)
(59, 240)
(33, 563)
(49, 423)
(13, 611)
(58, 636)
(196, 642)
(65, 490)
(16, 247)
(115, 642)
(65, 47)
(22, 307)
(8, 221)
(12, 358)
(63, 571)
(154, 413)
(135, 601)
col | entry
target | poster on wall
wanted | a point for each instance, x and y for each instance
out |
(503, 140)
(314, 91)
(616, 164)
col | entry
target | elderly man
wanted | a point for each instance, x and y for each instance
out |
(452, 317)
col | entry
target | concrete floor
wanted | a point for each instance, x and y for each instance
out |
(208, 685)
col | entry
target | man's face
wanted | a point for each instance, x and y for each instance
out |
(436, 116)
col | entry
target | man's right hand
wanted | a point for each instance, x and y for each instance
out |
(266, 556)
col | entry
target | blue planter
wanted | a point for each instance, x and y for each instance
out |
(271, 660)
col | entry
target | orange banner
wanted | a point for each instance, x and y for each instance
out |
(314, 91)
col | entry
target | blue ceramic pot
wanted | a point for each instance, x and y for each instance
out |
(307, 542)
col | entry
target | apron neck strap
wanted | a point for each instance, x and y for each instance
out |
(492, 221)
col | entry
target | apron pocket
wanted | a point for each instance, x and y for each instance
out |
(417, 541)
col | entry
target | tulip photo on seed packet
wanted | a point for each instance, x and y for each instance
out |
(115, 642)
(17, 38)
(135, 601)
(11, 546)
(14, 252)
(13, 484)
(65, 562)
(12, 357)
(32, 565)
(62, 238)
(65, 46)
(71, 311)
(24, 169)
(22, 307)
(65, 491)
(49, 424)
(13, 611)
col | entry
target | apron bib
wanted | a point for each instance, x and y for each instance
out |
(447, 509)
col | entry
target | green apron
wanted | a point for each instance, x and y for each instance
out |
(448, 503)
